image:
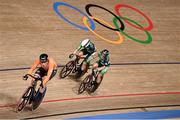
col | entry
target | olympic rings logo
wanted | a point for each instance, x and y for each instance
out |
(117, 18)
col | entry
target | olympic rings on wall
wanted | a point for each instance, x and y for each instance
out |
(92, 5)
(117, 7)
(116, 28)
(140, 41)
(119, 41)
(55, 7)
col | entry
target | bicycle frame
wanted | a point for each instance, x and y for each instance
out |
(95, 74)
(75, 63)
(33, 87)
(35, 80)
(29, 94)
(71, 67)
(88, 82)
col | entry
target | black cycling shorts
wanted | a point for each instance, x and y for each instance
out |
(41, 72)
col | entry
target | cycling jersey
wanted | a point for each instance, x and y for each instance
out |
(103, 61)
(88, 51)
(49, 67)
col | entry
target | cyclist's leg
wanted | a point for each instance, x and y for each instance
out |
(41, 73)
(83, 65)
(44, 77)
(86, 63)
(99, 79)
(53, 74)
(80, 54)
(101, 74)
(97, 64)
(95, 83)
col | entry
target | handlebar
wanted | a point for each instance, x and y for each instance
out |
(72, 55)
(34, 77)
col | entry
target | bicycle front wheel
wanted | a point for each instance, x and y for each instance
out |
(67, 69)
(24, 99)
(84, 84)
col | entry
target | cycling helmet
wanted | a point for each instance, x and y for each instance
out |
(85, 43)
(104, 53)
(43, 58)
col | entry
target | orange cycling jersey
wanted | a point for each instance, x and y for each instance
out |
(49, 67)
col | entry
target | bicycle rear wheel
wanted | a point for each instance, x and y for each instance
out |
(84, 84)
(67, 69)
(38, 99)
(24, 99)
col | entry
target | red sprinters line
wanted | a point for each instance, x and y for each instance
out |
(105, 96)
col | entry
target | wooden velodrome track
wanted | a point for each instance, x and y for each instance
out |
(142, 77)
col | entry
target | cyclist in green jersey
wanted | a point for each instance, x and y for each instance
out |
(101, 65)
(85, 51)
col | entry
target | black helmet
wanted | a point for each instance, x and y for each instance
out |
(104, 53)
(43, 58)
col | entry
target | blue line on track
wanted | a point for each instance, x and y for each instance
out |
(113, 64)
(165, 114)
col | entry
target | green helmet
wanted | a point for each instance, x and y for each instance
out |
(104, 53)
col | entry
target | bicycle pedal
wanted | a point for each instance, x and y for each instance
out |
(30, 101)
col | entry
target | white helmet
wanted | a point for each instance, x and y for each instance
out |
(85, 42)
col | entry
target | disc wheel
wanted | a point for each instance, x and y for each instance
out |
(38, 99)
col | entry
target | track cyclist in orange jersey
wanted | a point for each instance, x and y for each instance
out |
(46, 69)
(102, 66)
(85, 51)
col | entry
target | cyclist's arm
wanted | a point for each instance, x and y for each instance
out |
(101, 68)
(33, 67)
(82, 57)
(93, 55)
(78, 49)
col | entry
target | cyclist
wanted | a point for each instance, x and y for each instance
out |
(85, 51)
(47, 69)
(102, 66)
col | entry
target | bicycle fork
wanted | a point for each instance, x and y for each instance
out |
(31, 95)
